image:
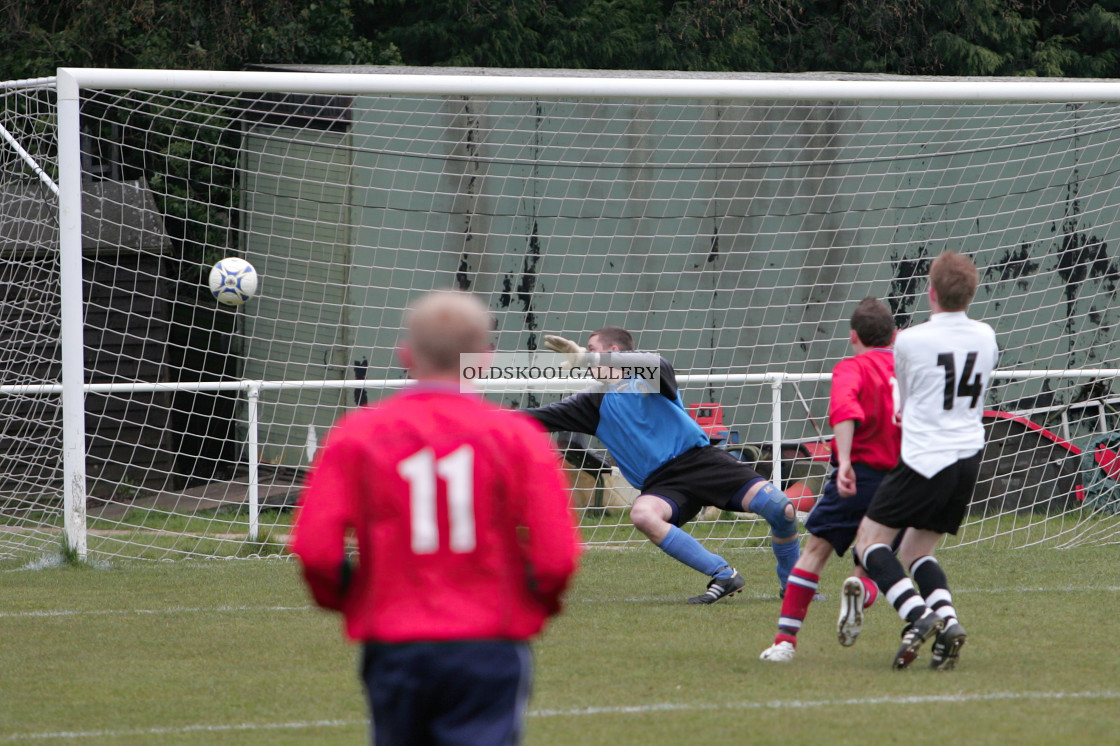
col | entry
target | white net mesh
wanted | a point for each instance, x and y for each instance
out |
(30, 438)
(732, 236)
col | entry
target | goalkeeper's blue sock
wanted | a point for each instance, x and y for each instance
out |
(683, 548)
(787, 554)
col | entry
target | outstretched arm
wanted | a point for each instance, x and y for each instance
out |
(577, 414)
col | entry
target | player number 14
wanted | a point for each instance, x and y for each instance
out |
(421, 470)
(972, 388)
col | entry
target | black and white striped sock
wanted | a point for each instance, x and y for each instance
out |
(934, 585)
(885, 569)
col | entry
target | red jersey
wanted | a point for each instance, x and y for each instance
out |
(461, 515)
(864, 390)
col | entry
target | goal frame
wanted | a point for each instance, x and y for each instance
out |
(70, 82)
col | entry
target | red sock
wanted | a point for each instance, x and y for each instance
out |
(871, 591)
(800, 589)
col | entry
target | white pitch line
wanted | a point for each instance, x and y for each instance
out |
(83, 735)
(780, 704)
(170, 611)
(772, 596)
(1067, 589)
(587, 711)
(174, 610)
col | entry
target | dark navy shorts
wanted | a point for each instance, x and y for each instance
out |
(836, 519)
(698, 478)
(939, 503)
(447, 693)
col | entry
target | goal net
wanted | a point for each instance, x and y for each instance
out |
(730, 222)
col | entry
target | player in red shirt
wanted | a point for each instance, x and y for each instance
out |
(867, 438)
(465, 541)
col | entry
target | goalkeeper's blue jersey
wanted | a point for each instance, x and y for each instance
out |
(643, 431)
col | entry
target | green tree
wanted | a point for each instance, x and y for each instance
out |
(713, 35)
(186, 34)
(491, 33)
(1077, 38)
(581, 34)
(915, 37)
(1094, 33)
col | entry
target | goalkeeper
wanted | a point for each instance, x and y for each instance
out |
(663, 452)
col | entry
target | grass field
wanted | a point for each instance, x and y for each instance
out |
(231, 652)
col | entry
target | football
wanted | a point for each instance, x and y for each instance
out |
(233, 281)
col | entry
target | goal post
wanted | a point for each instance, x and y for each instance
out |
(71, 317)
(730, 221)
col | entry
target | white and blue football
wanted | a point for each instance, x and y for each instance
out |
(233, 281)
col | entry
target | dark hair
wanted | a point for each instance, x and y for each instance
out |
(955, 277)
(873, 324)
(615, 335)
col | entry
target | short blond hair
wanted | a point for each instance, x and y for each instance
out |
(955, 278)
(444, 325)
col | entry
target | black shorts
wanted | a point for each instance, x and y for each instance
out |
(907, 499)
(698, 478)
(835, 518)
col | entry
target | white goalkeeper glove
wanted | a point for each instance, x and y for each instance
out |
(577, 357)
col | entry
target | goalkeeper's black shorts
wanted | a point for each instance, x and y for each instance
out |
(698, 478)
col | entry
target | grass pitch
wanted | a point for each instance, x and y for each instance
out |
(232, 652)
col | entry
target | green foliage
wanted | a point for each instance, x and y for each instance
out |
(930, 37)
(581, 34)
(1095, 41)
(870, 36)
(714, 35)
(202, 34)
(1052, 57)
(915, 37)
(493, 33)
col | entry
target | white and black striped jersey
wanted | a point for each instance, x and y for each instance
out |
(943, 367)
